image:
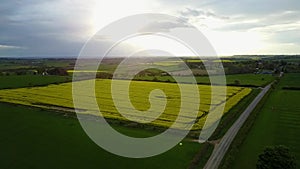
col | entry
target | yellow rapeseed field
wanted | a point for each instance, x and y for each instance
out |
(60, 97)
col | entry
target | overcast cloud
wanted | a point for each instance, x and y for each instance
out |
(61, 27)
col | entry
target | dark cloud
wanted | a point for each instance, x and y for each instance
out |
(40, 29)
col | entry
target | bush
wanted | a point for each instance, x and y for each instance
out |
(237, 82)
(276, 157)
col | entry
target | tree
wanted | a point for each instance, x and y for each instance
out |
(276, 157)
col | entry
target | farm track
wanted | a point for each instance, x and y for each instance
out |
(221, 148)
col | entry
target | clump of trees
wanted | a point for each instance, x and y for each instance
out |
(277, 157)
(104, 75)
(57, 71)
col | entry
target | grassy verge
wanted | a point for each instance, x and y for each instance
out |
(226, 122)
(234, 113)
(241, 135)
(202, 156)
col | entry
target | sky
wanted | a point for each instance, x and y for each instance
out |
(60, 28)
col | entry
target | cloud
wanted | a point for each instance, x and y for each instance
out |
(252, 8)
(61, 27)
(10, 47)
(188, 12)
(246, 23)
(55, 27)
(165, 26)
(274, 22)
(282, 27)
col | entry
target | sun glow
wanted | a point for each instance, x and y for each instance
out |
(224, 42)
(231, 43)
(110, 11)
(156, 42)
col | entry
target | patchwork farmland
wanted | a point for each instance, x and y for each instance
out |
(39, 130)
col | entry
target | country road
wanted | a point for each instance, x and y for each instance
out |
(221, 148)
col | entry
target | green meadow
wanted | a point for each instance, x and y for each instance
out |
(277, 123)
(38, 138)
(17, 81)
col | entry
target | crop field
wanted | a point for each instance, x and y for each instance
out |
(60, 97)
(34, 138)
(278, 123)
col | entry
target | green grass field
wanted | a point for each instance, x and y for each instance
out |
(250, 79)
(36, 138)
(60, 97)
(278, 123)
(199, 61)
(244, 79)
(16, 81)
